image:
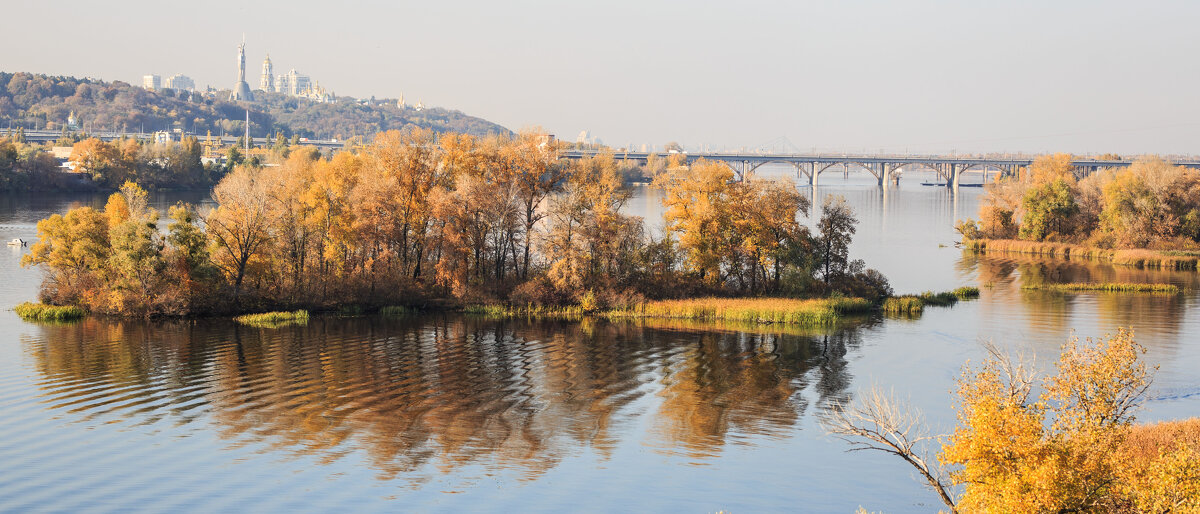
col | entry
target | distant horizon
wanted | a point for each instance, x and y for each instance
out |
(778, 146)
(914, 77)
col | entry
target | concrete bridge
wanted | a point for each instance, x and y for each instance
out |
(886, 169)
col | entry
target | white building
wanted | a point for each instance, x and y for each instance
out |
(267, 82)
(152, 82)
(293, 83)
(180, 81)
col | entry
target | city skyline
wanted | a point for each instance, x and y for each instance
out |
(926, 77)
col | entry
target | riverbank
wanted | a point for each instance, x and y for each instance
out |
(1139, 258)
(797, 312)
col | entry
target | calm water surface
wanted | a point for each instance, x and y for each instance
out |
(449, 413)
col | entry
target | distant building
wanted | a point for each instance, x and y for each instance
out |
(180, 81)
(72, 121)
(267, 82)
(162, 137)
(400, 102)
(152, 82)
(241, 90)
(292, 83)
(420, 106)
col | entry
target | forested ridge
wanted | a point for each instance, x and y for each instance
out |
(45, 102)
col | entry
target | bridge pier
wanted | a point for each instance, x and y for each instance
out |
(952, 178)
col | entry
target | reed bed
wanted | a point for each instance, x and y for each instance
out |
(810, 312)
(966, 293)
(1109, 287)
(915, 304)
(907, 304)
(1170, 260)
(496, 310)
(943, 299)
(29, 311)
(274, 319)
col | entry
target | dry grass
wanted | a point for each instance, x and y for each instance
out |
(1146, 442)
(1173, 260)
(810, 312)
(1109, 287)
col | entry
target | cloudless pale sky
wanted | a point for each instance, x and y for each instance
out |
(920, 76)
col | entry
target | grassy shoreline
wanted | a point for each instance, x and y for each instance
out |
(1139, 258)
(793, 312)
(29, 311)
(807, 312)
(1107, 287)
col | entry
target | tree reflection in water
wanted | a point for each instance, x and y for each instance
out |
(435, 394)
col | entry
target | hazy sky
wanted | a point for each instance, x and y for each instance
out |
(921, 76)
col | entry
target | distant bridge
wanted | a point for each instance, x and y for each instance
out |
(885, 169)
(49, 136)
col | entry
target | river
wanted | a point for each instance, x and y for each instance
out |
(451, 413)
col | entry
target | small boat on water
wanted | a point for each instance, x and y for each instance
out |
(17, 242)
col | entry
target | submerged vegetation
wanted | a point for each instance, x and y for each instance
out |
(395, 311)
(273, 319)
(1106, 287)
(416, 217)
(1072, 448)
(915, 304)
(41, 312)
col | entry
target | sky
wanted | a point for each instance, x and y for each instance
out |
(851, 76)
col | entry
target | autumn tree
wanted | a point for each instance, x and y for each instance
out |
(697, 211)
(240, 223)
(1063, 450)
(1048, 209)
(835, 231)
(136, 263)
(74, 248)
(99, 159)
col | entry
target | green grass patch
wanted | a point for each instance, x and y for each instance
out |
(395, 311)
(966, 293)
(29, 311)
(907, 304)
(943, 299)
(915, 304)
(274, 319)
(350, 310)
(1108, 287)
(496, 310)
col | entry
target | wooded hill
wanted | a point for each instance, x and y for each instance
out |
(42, 101)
